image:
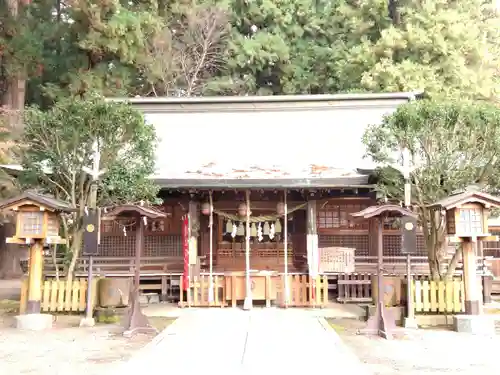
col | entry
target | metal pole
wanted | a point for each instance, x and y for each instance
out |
(211, 225)
(285, 245)
(247, 304)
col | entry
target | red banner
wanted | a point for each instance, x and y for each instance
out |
(185, 251)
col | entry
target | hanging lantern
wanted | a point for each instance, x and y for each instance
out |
(280, 208)
(242, 209)
(205, 208)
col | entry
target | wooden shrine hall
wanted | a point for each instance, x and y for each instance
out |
(260, 186)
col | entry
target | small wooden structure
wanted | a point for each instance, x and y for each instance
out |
(136, 321)
(37, 223)
(380, 323)
(467, 223)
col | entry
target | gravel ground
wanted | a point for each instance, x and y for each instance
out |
(66, 349)
(425, 351)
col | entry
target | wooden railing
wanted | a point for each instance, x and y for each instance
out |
(119, 266)
(396, 265)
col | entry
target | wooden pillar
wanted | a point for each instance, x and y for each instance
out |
(472, 297)
(485, 280)
(139, 241)
(248, 302)
(372, 238)
(285, 245)
(487, 288)
(211, 252)
(312, 245)
(35, 278)
(194, 230)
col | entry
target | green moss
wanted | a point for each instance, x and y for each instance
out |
(108, 318)
(337, 328)
(8, 306)
(160, 322)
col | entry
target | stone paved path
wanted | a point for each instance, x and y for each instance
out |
(231, 341)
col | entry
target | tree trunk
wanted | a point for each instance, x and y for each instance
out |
(452, 266)
(76, 244)
(10, 267)
(14, 90)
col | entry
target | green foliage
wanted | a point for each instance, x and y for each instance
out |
(305, 46)
(122, 48)
(452, 145)
(60, 141)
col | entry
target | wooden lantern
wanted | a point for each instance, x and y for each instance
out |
(37, 218)
(467, 222)
(467, 213)
(37, 223)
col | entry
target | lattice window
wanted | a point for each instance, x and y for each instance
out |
(358, 242)
(338, 216)
(392, 245)
(470, 221)
(124, 246)
(32, 222)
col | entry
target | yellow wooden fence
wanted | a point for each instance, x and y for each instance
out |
(438, 296)
(61, 296)
(227, 289)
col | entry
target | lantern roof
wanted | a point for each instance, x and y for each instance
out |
(36, 199)
(467, 196)
(134, 210)
(384, 210)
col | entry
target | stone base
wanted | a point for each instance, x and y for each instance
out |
(410, 323)
(87, 322)
(34, 322)
(475, 324)
(396, 312)
(247, 303)
(434, 320)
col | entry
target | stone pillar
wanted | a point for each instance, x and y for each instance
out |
(472, 295)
